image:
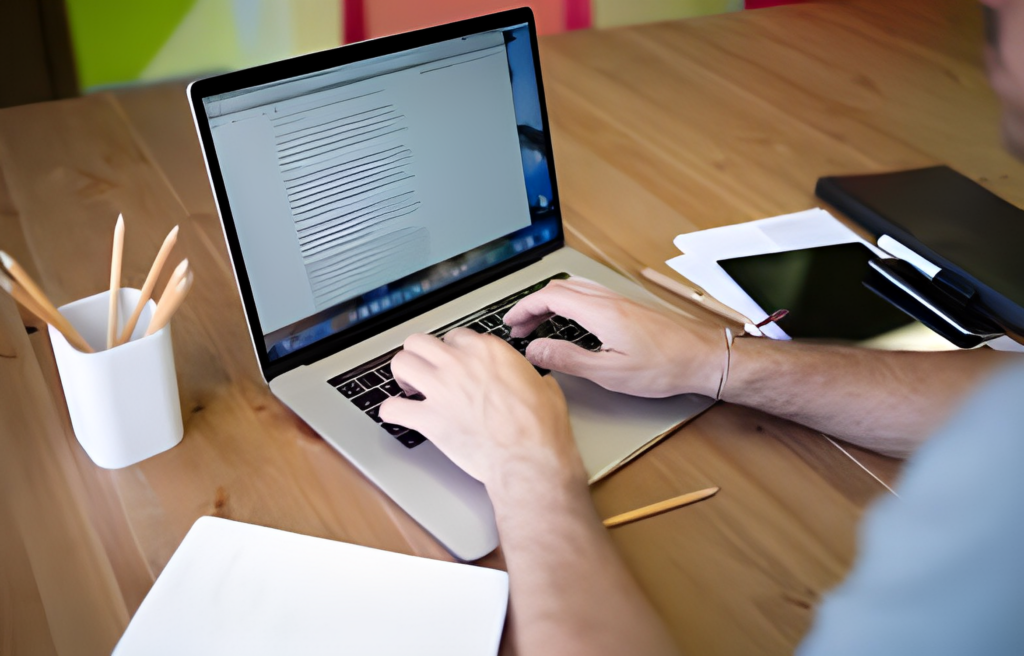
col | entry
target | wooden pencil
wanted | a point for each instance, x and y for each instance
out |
(45, 309)
(115, 279)
(660, 507)
(170, 301)
(174, 279)
(689, 293)
(21, 296)
(147, 287)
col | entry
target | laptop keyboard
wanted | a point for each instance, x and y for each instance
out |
(370, 384)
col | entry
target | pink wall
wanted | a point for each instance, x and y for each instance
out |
(366, 19)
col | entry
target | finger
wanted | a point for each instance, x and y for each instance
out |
(566, 357)
(588, 286)
(528, 326)
(414, 415)
(561, 299)
(412, 372)
(460, 338)
(429, 348)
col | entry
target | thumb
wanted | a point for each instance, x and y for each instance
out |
(563, 356)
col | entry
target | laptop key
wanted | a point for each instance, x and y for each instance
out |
(502, 331)
(412, 439)
(589, 342)
(351, 388)
(394, 429)
(392, 388)
(491, 321)
(374, 414)
(339, 379)
(477, 327)
(370, 380)
(369, 399)
(546, 329)
(570, 332)
(385, 372)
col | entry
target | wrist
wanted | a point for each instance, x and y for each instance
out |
(746, 362)
(706, 366)
(535, 482)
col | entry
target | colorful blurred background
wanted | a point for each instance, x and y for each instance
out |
(52, 49)
(122, 41)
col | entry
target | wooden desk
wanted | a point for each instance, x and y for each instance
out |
(658, 130)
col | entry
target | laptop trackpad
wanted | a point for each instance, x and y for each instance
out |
(611, 427)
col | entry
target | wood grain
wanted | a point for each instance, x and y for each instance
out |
(657, 130)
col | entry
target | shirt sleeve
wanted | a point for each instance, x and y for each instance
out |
(940, 569)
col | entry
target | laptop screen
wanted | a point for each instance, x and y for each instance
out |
(356, 190)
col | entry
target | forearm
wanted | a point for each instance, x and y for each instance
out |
(570, 591)
(886, 401)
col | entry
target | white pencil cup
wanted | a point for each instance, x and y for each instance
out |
(123, 402)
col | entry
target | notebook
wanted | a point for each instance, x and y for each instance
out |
(234, 588)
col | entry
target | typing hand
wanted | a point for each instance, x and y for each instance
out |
(486, 408)
(645, 352)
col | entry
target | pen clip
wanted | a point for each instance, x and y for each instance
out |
(772, 318)
(955, 285)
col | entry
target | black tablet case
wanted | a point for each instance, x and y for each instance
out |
(949, 220)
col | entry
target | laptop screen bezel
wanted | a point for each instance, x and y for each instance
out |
(333, 58)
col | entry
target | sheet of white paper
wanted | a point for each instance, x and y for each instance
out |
(702, 250)
(234, 588)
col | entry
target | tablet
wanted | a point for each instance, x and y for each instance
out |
(823, 289)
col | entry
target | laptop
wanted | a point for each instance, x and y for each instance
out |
(402, 185)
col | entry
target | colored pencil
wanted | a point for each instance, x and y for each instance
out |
(115, 280)
(169, 303)
(147, 287)
(660, 507)
(44, 308)
(689, 293)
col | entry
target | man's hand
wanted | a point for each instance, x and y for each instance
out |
(489, 411)
(486, 408)
(645, 353)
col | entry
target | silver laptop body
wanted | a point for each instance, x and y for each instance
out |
(377, 190)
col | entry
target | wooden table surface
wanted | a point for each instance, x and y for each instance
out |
(657, 130)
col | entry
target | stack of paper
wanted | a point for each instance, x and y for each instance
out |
(808, 229)
(702, 250)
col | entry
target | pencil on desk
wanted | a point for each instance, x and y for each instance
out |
(660, 507)
(115, 279)
(170, 301)
(147, 287)
(689, 293)
(43, 307)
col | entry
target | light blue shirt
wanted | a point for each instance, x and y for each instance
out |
(941, 569)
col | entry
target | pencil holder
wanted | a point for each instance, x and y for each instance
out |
(123, 402)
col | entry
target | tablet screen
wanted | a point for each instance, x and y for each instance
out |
(823, 290)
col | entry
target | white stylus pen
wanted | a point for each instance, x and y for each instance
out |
(898, 250)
